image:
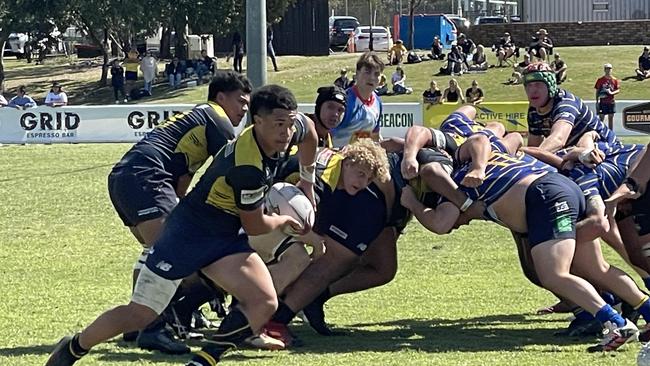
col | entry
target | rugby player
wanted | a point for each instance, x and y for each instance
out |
(147, 182)
(208, 230)
(363, 106)
(328, 113)
(528, 196)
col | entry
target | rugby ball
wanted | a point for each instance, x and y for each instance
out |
(287, 199)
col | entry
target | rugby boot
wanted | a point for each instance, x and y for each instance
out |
(62, 355)
(614, 337)
(161, 340)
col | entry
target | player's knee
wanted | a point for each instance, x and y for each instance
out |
(139, 316)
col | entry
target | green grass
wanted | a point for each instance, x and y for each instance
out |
(303, 75)
(459, 299)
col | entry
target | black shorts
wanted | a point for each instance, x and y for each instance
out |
(141, 194)
(605, 108)
(187, 244)
(641, 213)
(443, 141)
(131, 75)
(554, 204)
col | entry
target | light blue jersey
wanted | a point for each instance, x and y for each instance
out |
(361, 118)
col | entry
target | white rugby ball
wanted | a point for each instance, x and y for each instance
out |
(287, 199)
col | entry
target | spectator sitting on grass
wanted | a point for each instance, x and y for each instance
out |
(382, 87)
(432, 96)
(396, 53)
(505, 48)
(559, 67)
(436, 50)
(453, 94)
(541, 45)
(342, 81)
(517, 75)
(479, 61)
(56, 97)
(398, 79)
(474, 94)
(467, 46)
(204, 66)
(174, 73)
(22, 100)
(643, 72)
(455, 62)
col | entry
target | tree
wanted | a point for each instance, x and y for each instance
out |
(413, 4)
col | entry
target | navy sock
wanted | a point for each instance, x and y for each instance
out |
(284, 314)
(609, 298)
(644, 309)
(75, 348)
(582, 314)
(607, 313)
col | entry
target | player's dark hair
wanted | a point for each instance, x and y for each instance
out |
(269, 97)
(225, 81)
(371, 61)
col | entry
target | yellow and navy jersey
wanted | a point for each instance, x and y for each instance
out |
(460, 127)
(502, 172)
(607, 176)
(328, 171)
(238, 178)
(183, 142)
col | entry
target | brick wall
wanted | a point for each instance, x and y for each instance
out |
(624, 32)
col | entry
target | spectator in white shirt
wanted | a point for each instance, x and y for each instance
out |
(56, 97)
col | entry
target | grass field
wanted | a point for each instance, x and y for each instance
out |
(459, 299)
(304, 74)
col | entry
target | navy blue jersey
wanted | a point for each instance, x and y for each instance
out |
(608, 175)
(502, 172)
(568, 107)
(458, 124)
(183, 142)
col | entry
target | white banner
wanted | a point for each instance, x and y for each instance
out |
(129, 123)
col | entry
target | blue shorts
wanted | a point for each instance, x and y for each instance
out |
(554, 204)
(352, 221)
(605, 108)
(141, 193)
(641, 213)
(187, 244)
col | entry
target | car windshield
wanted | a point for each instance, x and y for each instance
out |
(346, 23)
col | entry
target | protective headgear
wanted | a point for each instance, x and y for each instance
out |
(327, 93)
(540, 71)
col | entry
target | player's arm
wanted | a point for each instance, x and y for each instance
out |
(307, 140)
(535, 140)
(416, 138)
(558, 136)
(183, 184)
(543, 155)
(392, 144)
(439, 220)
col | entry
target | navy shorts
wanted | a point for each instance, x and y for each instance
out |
(641, 213)
(188, 244)
(141, 194)
(353, 221)
(131, 75)
(554, 204)
(604, 108)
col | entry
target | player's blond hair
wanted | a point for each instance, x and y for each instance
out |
(368, 153)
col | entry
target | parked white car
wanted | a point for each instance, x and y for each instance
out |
(382, 40)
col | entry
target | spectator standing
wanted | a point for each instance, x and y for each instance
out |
(237, 52)
(22, 100)
(399, 82)
(607, 86)
(560, 69)
(342, 81)
(474, 94)
(432, 96)
(643, 72)
(117, 81)
(269, 47)
(453, 93)
(174, 73)
(149, 68)
(56, 97)
(131, 65)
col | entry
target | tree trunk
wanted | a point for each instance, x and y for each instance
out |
(104, 78)
(165, 43)
(182, 41)
(411, 26)
(2, 66)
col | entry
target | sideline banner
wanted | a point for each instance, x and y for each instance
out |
(513, 115)
(129, 123)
